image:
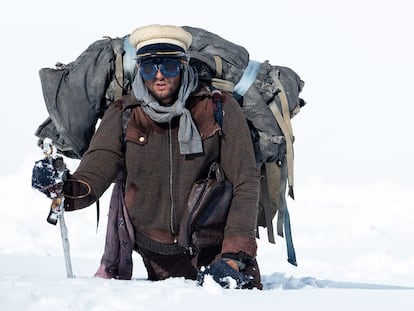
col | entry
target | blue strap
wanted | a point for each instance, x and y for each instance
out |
(288, 237)
(218, 106)
(247, 78)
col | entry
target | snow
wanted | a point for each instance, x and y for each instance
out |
(344, 263)
(38, 284)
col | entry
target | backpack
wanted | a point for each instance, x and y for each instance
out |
(77, 94)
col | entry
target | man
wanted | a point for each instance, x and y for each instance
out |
(171, 139)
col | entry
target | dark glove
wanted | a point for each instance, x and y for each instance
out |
(224, 275)
(48, 175)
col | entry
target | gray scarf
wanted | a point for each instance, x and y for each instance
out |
(188, 135)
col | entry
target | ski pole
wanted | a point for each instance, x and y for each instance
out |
(57, 209)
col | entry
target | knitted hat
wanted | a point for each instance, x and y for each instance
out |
(160, 40)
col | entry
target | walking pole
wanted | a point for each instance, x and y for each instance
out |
(57, 208)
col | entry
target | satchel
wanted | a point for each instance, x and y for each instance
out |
(205, 215)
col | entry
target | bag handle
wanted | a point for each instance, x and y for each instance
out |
(216, 171)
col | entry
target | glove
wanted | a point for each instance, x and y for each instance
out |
(223, 274)
(48, 175)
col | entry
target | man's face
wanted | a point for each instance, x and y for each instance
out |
(162, 78)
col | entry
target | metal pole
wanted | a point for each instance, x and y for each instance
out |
(57, 208)
(65, 242)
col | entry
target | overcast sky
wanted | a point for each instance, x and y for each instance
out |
(356, 58)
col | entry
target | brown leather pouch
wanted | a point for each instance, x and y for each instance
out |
(205, 215)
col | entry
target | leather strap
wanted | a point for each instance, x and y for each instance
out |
(286, 126)
(265, 195)
(119, 76)
(219, 65)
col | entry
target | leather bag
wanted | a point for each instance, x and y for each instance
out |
(206, 212)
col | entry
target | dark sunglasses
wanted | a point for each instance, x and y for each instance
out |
(169, 67)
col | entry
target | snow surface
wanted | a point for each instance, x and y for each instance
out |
(343, 262)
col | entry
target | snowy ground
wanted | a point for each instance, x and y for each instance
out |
(36, 283)
(364, 262)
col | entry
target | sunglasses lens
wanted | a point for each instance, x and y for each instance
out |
(169, 67)
(148, 70)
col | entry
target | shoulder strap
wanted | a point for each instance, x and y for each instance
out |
(119, 69)
(267, 204)
(218, 106)
(219, 65)
(283, 119)
(218, 114)
(218, 82)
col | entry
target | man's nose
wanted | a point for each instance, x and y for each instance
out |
(159, 74)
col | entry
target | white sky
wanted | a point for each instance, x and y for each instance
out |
(353, 148)
(356, 58)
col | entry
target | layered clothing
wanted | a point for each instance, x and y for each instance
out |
(158, 178)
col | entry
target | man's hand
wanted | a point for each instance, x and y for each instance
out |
(225, 275)
(48, 175)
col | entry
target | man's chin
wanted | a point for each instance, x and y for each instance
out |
(163, 97)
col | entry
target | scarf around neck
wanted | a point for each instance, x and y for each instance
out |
(188, 136)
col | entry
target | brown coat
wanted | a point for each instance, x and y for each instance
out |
(159, 177)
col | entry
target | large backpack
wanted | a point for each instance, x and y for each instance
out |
(77, 94)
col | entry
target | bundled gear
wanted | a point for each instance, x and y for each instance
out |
(78, 94)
